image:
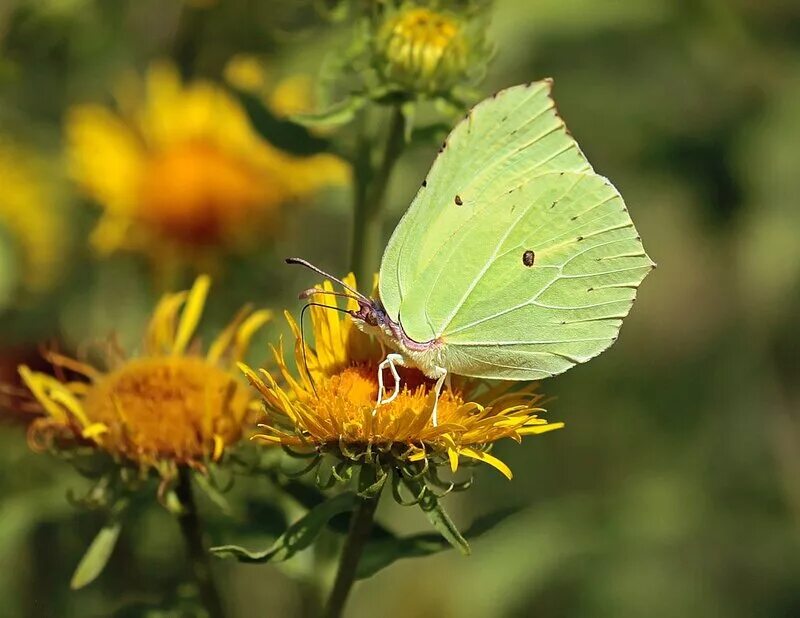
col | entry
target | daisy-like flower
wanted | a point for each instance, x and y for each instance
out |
(32, 234)
(427, 51)
(168, 407)
(327, 404)
(178, 169)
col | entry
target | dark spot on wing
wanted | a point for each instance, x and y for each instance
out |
(579, 238)
(528, 257)
(458, 200)
(424, 183)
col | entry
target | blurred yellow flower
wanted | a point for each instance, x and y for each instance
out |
(181, 170)
(285, 97)
(170, 406)
(31, 222)
(329, 403)
(423, 50)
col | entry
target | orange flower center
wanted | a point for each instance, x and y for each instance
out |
(173, 408)
(348, 398)
(197, 193)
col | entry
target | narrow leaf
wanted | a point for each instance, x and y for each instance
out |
(297, 537)
(431, 506)
(96, 556)
(336, 115)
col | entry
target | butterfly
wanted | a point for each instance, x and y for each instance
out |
(515, 260)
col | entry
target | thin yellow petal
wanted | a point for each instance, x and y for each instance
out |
(62, 396)
(191, 313)
(219, 446)
(161, 329)
(94, 430)
(224, 340)
(489, 459)
(537, 429)
(452, 455)
(248, 329)
(37, 384)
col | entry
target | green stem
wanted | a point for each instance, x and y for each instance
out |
(370, 196)
(357, 537)
(197, 554)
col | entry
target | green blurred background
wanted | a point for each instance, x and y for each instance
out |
(674, 489)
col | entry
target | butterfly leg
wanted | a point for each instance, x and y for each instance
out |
(391, 361)
(442, 375)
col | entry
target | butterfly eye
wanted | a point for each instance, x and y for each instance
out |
(528, 257)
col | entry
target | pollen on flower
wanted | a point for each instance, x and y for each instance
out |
(176, 408)
(166, 408)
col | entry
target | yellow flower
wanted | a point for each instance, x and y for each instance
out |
(170, 406)
(180, 169)
(284, 97)
(31, 224)
(328, 404)
(423, 50)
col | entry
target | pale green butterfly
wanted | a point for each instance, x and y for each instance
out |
(515, 260)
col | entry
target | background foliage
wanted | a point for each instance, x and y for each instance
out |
(674, 488)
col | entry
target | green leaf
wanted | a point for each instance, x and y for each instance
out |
(288, 135)
(297, 537)
(380, 553)
(336, 115)
(96, 556)
(431, 506)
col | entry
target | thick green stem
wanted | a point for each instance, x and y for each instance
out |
(370, 197)
(196, 552)
(357, 537)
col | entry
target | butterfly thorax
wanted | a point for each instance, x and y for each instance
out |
(371, 318)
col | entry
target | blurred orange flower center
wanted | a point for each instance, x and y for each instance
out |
(196, 192)
(173, 406)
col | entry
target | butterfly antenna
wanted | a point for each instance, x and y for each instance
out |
(319, 271)
(303, 347)
(318, 292)
(303, 337)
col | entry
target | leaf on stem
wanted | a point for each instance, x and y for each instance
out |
(297, 537)
(97, 555)
(336, 115)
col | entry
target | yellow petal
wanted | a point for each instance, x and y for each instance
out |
(223, 341)
(489, 459)
(37, 384)
(161, 329)
(94, 430)
(60, 394)
(248, 329)
(537, 429)
(219, 446)
(452, 455)
(191, 313)
(104, 156)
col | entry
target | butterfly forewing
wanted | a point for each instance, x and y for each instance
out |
(500, 144)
